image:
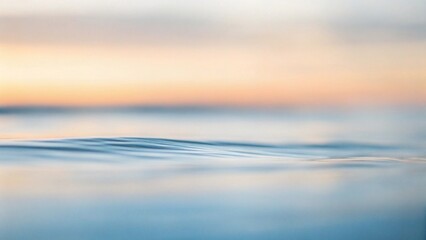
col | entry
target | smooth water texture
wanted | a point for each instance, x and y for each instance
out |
(212, 173)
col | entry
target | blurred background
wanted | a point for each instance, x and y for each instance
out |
(200, 52)
(212, 119)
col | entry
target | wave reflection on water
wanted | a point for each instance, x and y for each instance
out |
(125, 149)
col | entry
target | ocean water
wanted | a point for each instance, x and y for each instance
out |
(212, 173)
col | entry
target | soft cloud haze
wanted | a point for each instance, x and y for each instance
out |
(213, 52)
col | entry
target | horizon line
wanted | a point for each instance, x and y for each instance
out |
(53, 107)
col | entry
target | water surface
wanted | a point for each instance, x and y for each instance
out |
(212, 173)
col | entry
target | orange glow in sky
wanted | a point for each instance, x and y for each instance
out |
(293, 55)
(247, 75)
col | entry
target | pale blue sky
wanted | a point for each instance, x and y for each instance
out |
(398, 10)
(49, 20)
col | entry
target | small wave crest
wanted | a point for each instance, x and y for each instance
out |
(122, 149)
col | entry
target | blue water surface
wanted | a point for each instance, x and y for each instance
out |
(212, 173)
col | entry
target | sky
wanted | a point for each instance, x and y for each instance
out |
(251, 52)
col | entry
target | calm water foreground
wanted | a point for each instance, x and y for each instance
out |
(210, 173)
